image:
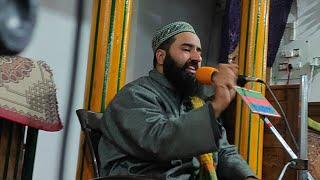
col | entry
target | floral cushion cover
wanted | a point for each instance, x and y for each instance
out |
(28, 93)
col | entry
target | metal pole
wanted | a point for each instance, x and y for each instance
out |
(280, 138)
(306, 174)
(303, 122)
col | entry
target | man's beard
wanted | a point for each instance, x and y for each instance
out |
(184, 82)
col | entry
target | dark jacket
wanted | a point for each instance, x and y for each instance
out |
(149, 129)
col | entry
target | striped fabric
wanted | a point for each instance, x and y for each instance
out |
(252, 62)
(256, 102)
(107, 62)
(208, 166)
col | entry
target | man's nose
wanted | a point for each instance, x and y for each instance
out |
(195, 55)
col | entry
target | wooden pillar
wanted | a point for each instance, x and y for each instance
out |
(252, 62)
(106, 69)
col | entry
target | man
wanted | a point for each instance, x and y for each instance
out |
(152, 127)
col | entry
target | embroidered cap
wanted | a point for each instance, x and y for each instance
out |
(168, 31)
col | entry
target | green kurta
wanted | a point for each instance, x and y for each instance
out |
(149, 129)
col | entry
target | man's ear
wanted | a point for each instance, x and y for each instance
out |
(160, 55)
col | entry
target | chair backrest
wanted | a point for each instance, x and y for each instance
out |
(90, 122)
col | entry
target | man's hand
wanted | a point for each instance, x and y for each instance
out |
(223, 83)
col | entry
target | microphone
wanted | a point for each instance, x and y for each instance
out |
(205, 75)
(242, 80)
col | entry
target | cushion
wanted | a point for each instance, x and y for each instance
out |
(28, 93)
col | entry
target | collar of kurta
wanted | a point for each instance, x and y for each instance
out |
(160, 78)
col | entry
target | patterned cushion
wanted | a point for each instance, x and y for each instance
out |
(28, 93)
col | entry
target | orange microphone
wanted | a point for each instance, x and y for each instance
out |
(204, 74)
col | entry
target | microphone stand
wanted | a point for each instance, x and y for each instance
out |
(296, 163)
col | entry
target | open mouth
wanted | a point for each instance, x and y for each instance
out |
(191, 67)
(191, 70)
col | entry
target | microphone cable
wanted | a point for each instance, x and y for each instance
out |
(284, 170)
(281, 110)
(75, 59)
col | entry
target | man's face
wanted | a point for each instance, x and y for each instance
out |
(186, 51)
(181, 62)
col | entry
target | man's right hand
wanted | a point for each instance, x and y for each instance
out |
(223, 83)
